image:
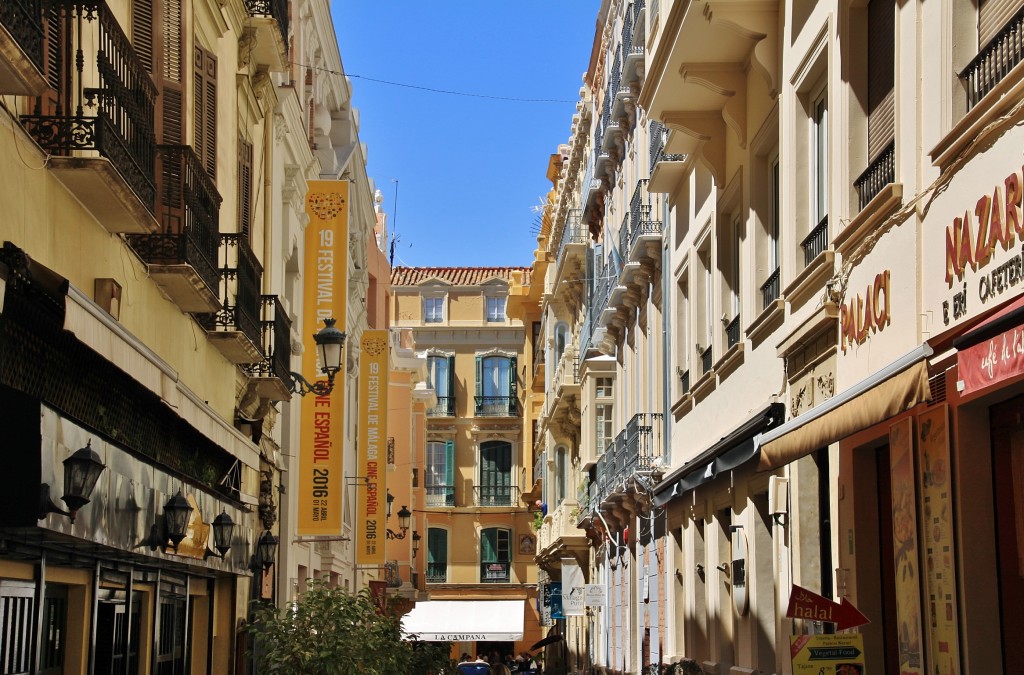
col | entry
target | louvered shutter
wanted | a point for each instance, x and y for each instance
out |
(205, 109)
(437, 546)
(245, 189)
(157, 39)
(881, 78)
(513, 395)
(449, 472)
(479, 379)
(992, 16)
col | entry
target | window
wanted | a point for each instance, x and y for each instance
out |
(819, 158)
(496, 386)
(561, 340)
(245, 189)
(495, 550)
(495, 474)
(604, 410)
(433, 309)
(440, 473)
(682, 331)
(205, 102)
(560, 477)
(440, 378)
(495, 308)
(437, 555)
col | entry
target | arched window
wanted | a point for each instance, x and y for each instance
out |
(496, 386)
(495, 555)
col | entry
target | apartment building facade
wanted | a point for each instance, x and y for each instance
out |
(474, 567)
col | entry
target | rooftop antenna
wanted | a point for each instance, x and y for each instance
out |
(394, 225)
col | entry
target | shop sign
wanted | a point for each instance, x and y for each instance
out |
(373, 424)
(323, 417)
(832, 654)
(865, 314)
(555, 600)
(809, 606)
(595, 595)
(971, 244)
(994, 360)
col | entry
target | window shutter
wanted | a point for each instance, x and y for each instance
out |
(512, 381)
(437, 545)
(156, 38)
(479, 376)
(881, 78)
(992, 16)
(488, 545)
(205, 110)
(451, 381)
(245, 189)
(449, 471)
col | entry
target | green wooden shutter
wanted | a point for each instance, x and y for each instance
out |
(489, 545)
(437, 545)
(449, 472)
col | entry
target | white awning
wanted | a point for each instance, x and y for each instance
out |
(465, 621)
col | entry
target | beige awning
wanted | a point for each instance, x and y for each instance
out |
(894, 389)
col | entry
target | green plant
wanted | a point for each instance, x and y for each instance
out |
(538, 520)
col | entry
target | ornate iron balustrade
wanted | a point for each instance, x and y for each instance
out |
(616, 71)
(496, 406)
(445, 407)
(624, 236)
(495, 495)
(732, 332)
(771, 288)
(241, 276)
(440, 495)
(656, 146)
(539, 465)
(276, 330)
(573, 232)
(995, 60)
(816, 242)
(634, 449)
(437, 572)
(879, 173)
(684, 381)
(189, 215)
(495, 572)
(21, 18)
(706, 360)
(277, 9)
(119, 91)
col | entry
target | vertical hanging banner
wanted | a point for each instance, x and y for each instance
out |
(904, 533)
(573, 587)
(373, 431)
(325, 284)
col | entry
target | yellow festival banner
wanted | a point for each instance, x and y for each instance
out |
(325, 281)
(373, 429)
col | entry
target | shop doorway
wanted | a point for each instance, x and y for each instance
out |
(171, 653)
(1007, 427)
(55, 619)
(116, 640)
(495, 650)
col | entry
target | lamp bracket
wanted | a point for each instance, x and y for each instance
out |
(46, 505)
(391, 534)
(302, 386)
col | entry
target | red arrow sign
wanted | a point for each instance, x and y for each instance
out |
(805, 604)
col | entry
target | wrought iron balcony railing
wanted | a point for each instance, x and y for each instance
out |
(879, 173)
(816, 242)
(276, 330)
(732, 332)
(496, 406)
(495, 495)
(22, 19)
(995, 60)
(684, 381)
(440, 495)
(117, 93)
(634, 449)
(656, 147)
(706, 360)
(495, 572)
(241, 275)
(572, 233)
(189, 213)
(437, 572)
(445, 407)
(277, 9)
(771, 289)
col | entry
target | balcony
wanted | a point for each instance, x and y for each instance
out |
(879, 173)
(634, 450)
(496, 406)
(495, 495)
(182, 257)
(667, 168)
(272, 376)
(21, 48)
(440, 495)
(732, 333)
(437, 572)
(994, 61)
(816, 242)
(235, 329)
(570, 256)
(265, 40)
(633, 37)
(560, 531)
(445, 407)
(770, 289)
(97, 124)
(495, 572)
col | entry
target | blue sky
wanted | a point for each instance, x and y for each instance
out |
(469, 170)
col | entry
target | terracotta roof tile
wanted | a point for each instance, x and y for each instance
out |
(456, 276)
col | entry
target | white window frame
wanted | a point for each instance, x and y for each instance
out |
(428, 302)
(498, 317)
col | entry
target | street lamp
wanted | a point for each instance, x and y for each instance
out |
(329, 342)
(177, 512)
(81, 472)
(404, 516)
(415, 543)
(223, 528)
(266, 551)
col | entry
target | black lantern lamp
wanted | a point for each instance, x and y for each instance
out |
(391, 500)
(223, 529)
(329, 342)
(415, 543)
(81, 472)
(177, 512)
(266, 550)
(404, 516)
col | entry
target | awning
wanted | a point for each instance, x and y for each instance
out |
(894, 389)
(730, 452)
(465, 621)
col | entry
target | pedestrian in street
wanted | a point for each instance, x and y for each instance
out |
(500, 669)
